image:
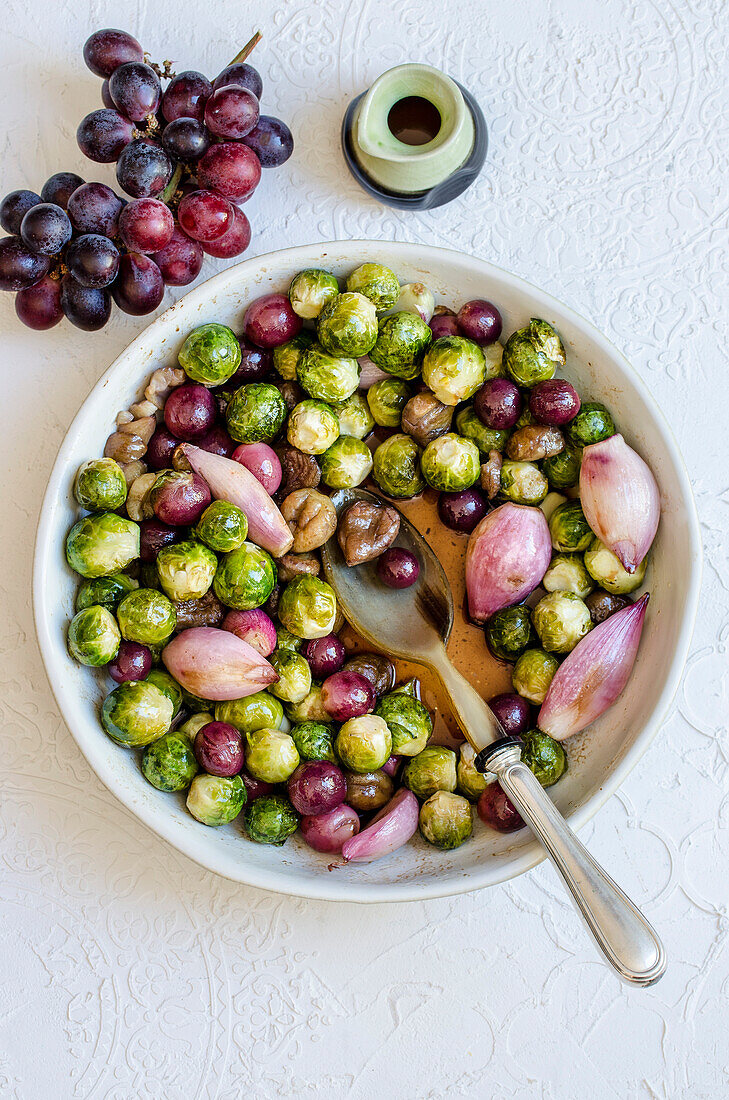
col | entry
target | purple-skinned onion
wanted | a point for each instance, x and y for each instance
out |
(328, 832)
(508, 554)
(216, 665)
(389, 830)
(253, 627)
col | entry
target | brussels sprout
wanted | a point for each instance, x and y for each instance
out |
(286, 640)
(286, 356)
(523, 482)
(310, 291)
(402, 340)
(377, 283)
(486, 439)
(93, 636)
(386, 401)
(168, 686)
(314, 741)
(354, 416)
(215, 800)
(256, 712)
(100, 485)
(408, 721)
(446, 820)
(567, 573)
(544, 756)
(222, 526)
(364, 744)
(146, 616)
(454, 368)
(494, 358)
(561, 619)
(416, 298)
(532, 674)
(551, 503)
(245, 577)
(609, 572)
(308, 607)
(271, 755)
(104, 591)
(569, 529)
(102, 544)
(255, 413)
(509, 632)
(327, 377)
(532, 354)
(346, 463)
(347, 326)
(433, 769)
(309, 709)
(312, 427)
(195, 723)
(270, 819)
(211, 354)
(563, 470)
(136, 713)
(592, 424)
(470, 781)
(396, 467)
(408, 687)
(169, 763)
(451, 463)
(294, 676)
(186, 569)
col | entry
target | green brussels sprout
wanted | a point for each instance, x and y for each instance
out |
(454, 368)
(533, 673)
(567, 573)
(486, 439)
(377, 283)
(136, 713)
(386, 400)
(532, 354)
(396, 467)
(523, 482)
(402, 340)
(195, 723)
(210, 354)
(93, 637)
(354, 416)
(446, 820)
(105, 591)
(146, 616)
(308, 607)
(408, 687)
(314, 741)
(294, 676)
(327, 377)
(245, 577)
(222, 526)
(569, 529)
(168, 686)
(312, 427)
(286, 640)
(271, 755)
(309, 709)
(215, 800)
(310, 291)
(347, 326)
(451, 463)
(286, 356)
(102, 544)
(255, 413)
(433, 769)
(408, 721)
(469, 781)
(169, 763)
(561, 619)
(563, 470)
(270, 819)
(509, 632)
(544, 756)
(608, 571)
(256, 712)
(364, 744)
(186, 570)
(100, 485)
(416, 298)
(346, 463)
(592, 424)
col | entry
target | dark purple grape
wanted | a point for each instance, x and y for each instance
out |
(513, 712)
(325, 656)
(271, 141)
(398, 568)
(205, 216)
(480, 321)
(217, 442)
(39, 307)
(316, 787)
(103, 135)
(240, 73)
(186, 139)
(554, 402)
(328, 832)
(107, 49)
(84, 307)
(59, 188)
(146, 225)
(495, 809)
(154, 536)
(234, 241)
(143, 169)
(444, 324)
(19, 267)
(46, 228)
(106, 96)
(231, 169)
(347, 695)
(498, 404)
(132, 662)
(135, 89)
(255, 364)
(270, 321)
(160, 449)
(14, 207)
(190, 411)
(256, 788)
(95, 208)
(462, 511)
(218, 749)
(180, 260)
(186, 96)
(93, 260)
(231, 112)
(139, 287)
(180, 499)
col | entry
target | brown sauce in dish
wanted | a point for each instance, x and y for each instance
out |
(414, 120)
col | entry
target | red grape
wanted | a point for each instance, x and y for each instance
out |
(328, 832)
(316, 787)
(263, 463)
(513, 711)
(255, 364)
(495, 809)
(231, 112)
(554, 402)
(93, 260)
(46, 228)
(95, 208)
(106, 95)
(59, 188)
(217, 442)
(139, 287)
(143, 169)
(103, 134)
(444, 324)
(160, 448)
(186, 139)
(325, 656)
(398, 568)
(205, 216)
(14, 207)
(135, 89)
(254, 627)
(154, 536)
(270, 321)
(240, 73)
(132, 662)
(234, 241)
(105, 50)
(85, 307)
(19, 267)
(462, 511)
(231, 169)
(218, 749)
(271, 141)
(498, 403)
(186, 96)
(39, 306)
(146, 225)
(347, 695)
(181, 499)
(180, 260)
(257, 788)
(190, 411)
(480, 320)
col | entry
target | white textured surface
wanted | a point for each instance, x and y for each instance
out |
(126, 971)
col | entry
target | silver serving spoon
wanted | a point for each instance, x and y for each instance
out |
(414, 624)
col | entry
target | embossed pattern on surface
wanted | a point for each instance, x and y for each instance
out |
(128, 972)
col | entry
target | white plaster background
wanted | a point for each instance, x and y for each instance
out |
(128, 972)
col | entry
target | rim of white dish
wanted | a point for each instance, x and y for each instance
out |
(95, 749)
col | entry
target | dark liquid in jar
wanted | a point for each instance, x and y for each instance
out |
(414, 120)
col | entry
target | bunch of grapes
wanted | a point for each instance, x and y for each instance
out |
(188, 156)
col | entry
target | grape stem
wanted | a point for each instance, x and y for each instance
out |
(247, 49)
(172, 186)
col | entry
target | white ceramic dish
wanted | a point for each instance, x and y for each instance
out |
(599, 759)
